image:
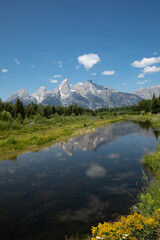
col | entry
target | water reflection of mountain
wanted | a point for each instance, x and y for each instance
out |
(103, 136)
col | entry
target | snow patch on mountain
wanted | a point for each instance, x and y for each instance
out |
(41, 94)
(88, 95)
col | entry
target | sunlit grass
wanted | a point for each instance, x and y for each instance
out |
(33, 136)
(150, 198)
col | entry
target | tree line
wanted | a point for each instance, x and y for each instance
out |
(19, 110)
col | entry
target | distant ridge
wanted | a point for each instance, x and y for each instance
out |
(88, 95)
(147, 93)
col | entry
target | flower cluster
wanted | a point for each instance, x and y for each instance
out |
(133, 227)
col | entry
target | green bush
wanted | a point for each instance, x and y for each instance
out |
(6, 116)
(11, 141)
(4, 125)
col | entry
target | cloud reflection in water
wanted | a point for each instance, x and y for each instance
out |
(96, 171)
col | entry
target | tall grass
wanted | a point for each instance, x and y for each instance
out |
(150, 198)
(31, 134)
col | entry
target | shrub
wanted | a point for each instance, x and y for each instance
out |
(6, 116)
(134, 227)
(4, 125)
(11, 141)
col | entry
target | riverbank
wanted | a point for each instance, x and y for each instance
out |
(63, 128)
(33, 136)
(144, 222)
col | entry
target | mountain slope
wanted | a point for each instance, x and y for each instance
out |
(23, 95)
(88, 95)
(147, 93)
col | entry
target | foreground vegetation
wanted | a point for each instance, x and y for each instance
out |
(31, 127)
(133, 227)
(37, 132)
(144, 222)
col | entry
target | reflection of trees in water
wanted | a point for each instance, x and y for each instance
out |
(147, 125)
(156, 133)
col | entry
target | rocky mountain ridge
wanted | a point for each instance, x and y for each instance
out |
(147, 93)
(88, 95)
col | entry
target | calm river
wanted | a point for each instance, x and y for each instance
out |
(71, 186)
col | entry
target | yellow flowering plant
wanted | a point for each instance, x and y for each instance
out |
(133, 227)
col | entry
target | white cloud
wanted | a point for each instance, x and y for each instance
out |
(57, 76)
(93, 74)
(32, 66)
(124, 83)
(88, 60)
(108, 72)
(154, 53)
(149, 69)
(16, 61)
(4, 70)
(60, 64)
(145, 62)
(152, 69)
(141, 75)
(143, 82)
(53, 80)
(77, 67)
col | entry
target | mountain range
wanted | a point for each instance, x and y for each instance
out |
(88, 95)
(147, 93)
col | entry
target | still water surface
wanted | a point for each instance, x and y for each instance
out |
(71, 186)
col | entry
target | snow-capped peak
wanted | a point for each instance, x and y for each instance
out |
(42, 89)
(64, 89)
(22, 92)
(87, 94)
(80, 83)
(40, 94)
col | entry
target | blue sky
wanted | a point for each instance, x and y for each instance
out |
(116, 40)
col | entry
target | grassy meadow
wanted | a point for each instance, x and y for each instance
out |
(31, 135)
(22, 135)
(34, 135)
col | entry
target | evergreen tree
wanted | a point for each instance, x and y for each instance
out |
(155, 105)
(75, 109)
(47, 111)
(19, 108)
(1, 105)
(53, 109)
(60, 109)
(67, 111)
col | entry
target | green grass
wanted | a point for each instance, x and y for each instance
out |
(150, 197)
(34, 136)
(19, 138)
(26, 136)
